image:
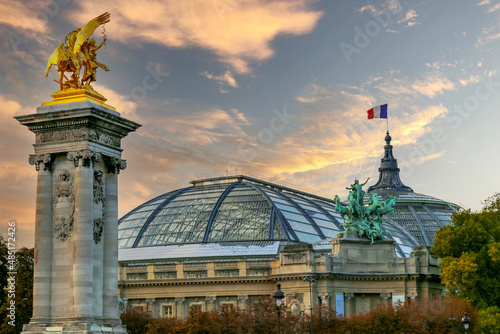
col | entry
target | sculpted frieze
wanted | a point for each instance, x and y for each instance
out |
(76, 134)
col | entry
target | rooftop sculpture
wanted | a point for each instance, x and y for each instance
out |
(365, 221)
(78, 51)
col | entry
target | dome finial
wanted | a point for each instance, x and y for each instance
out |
(388, 138)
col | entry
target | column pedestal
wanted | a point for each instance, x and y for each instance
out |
(77, 156)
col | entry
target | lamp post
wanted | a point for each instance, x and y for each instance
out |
(311, 281)
(457, 292)
(278, 296)
(227, 319)
(466, 322)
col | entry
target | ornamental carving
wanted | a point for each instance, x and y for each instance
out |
(85, 156)
(180, 300)
(64, 192)
(99, 203)
(41, 160)
(210, 299)
(114, 165)
(78, 134)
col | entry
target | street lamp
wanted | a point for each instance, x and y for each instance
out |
(226, 314)
(311, 281)
(278, 295)
(457, 292)
(466, 322)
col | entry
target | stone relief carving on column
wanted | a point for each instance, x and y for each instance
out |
(77, 134)
(99, 201)
(64, 192)
(41, 160)
(122, 304)
(86, 156)
(114, 165)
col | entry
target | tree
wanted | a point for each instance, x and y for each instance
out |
(469, 250)
(136, 319)
(489, 320)
(23, 293)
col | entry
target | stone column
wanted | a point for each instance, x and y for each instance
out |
(83, 237)
(180, 309)
(43, 238)
(110, 239)
(242, 301)
(349, 303)
(210, 303)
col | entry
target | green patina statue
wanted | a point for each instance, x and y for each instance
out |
(365, 221)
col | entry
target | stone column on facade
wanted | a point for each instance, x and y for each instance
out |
(349, 303)
(325, 298)
(150, 305)
(110, 239)
(83, 238)
(210, 303)
(180, 307)
(43, 239)
(243, 301)
(385, 296)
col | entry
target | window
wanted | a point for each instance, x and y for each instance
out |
(168, 311)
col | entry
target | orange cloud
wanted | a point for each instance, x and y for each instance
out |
(237, 32)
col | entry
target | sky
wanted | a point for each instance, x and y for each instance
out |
(277, 88)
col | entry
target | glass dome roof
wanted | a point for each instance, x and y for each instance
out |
(238, 209)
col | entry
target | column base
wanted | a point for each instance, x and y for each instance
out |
(39, 326)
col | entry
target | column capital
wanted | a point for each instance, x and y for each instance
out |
(323, 295)
(412, 295)
(180, 300)
(41, 160)
(114, 165)
(349, 295)
(210, 299)
(86, 156)
(385, 296)
(243, 298)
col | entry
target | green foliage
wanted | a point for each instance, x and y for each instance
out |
(489, 321)
(469, 250)
(23, 293)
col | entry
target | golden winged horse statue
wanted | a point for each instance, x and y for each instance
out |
(77, 51)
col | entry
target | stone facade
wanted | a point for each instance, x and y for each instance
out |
(77, 156)
(351, 276)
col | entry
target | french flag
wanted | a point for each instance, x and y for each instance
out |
(378, 112)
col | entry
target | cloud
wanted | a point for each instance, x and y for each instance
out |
(225, 79)
(238, 34)
(369, 8)
(488, 35)
(434, 84)
(484, 2)
(472, 79)
(17, 177)
(410, 18)
(494, 8)
(24, 15)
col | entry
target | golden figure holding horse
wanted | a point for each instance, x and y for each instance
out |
(78, 51)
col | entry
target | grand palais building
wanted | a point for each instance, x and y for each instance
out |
(227, 240)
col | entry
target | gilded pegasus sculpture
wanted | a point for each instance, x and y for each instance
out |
(78, 51)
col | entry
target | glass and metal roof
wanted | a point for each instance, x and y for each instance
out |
(238, 209)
